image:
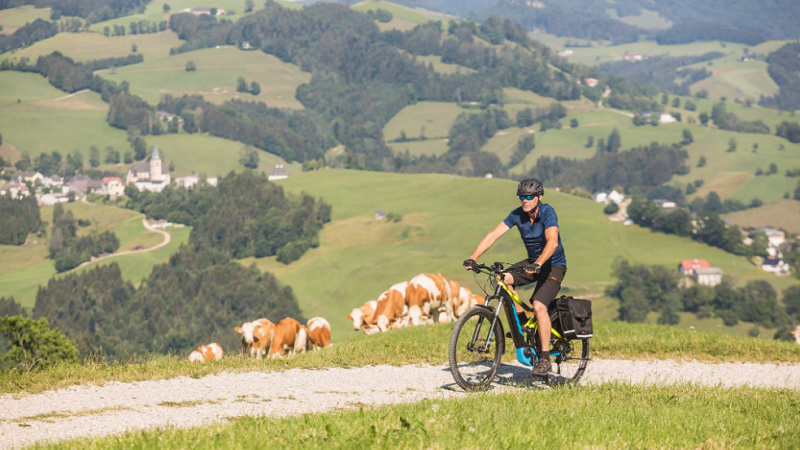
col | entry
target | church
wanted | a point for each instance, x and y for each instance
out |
(152, 176)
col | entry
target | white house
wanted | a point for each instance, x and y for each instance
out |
(711, 276)
(632, 57)
(152, 176)
(199, 11)
(26, 177)
(113, 186)
(776, 266)
(279, 173)
(51, 199)
(599, 197)
(611, 197)
(688, 266)
(190, 181)
(15, 190)
(775, 237)
(591, 82)
(564, 53)
(667, 118)
(666, 204)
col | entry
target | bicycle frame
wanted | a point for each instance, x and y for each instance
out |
(526, 354)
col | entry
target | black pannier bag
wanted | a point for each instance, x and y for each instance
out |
(576, 317)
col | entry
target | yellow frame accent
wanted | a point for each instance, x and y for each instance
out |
(532, 323)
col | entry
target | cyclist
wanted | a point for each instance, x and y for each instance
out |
(546, 263)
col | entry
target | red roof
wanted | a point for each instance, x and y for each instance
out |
(107, 180)
(691, 264)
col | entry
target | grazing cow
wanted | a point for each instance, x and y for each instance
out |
(290, 337)
(796, 334)
(319, 333)
(427, 292)
(390, 307)
(206, 353)
(256, 336)
(362, 317)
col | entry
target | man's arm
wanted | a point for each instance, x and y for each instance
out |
(551, 238)
(490, 238)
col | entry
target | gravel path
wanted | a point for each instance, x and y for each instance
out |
(82, 411)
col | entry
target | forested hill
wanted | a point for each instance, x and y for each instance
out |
(92, 10)
(591, 19)
(362, 77)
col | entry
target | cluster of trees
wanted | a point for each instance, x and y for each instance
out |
(244, 216)
(639, 98)
(241, 86)
(31, 344)
(686, 32)
(524, 146)
(728, 121)
(784, 68)
(52, 164)
(381, 15)
(645, 166)
(641, 289)
(92, 10)
(661, 71)
(789, 130)
(18, 218)
(28, 34)
(292, 135)
(68, 250)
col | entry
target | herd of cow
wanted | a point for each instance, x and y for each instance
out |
(425, 299)
(286, 337)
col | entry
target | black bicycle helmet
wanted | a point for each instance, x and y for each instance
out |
(531, 186)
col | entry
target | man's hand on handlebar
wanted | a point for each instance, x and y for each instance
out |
(533, 268)
(471, 264)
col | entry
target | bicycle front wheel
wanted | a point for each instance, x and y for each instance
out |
(476, 348)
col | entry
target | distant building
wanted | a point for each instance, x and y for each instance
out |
(190, 181)
(200, 11)
(26, 177)
(775, 237)
(667, 118)
(15, 190)
(666, 204)
(632, 57)
(380, 214)
(776, 266)
(711, 276)
(82, 185)
(113, 186)
(565, 53)
(591, 82)
(489, 176)
(51, 199)
(152, 176)
(246, 45)
(611, 197)
(688, 266)
(279, 173)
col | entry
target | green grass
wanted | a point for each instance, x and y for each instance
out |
(25, 87)
(416, 148)
(14, 18)
(89, 46)
(25, 268)
(781, 214)
(404, 13)
(647, 19)
(435, 117)
(415, 345)
(218, 70)
(443, 68)
(444, 218)
(600, 416)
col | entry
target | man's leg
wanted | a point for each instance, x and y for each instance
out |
(547, 288)
(544, 324)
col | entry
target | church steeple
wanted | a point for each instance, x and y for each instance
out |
(155, 166)
(155, 154)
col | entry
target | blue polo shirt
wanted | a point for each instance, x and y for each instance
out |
(532, 234)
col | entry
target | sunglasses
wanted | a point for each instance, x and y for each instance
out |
(526, 197)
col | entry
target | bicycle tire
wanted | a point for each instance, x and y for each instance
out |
(580, 367)
(464, 330)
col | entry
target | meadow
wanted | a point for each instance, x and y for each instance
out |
(598, 416)
(444, 217)
(403, 17)
(218, 70)
(13, 18)
(24, 268)
(414, 345)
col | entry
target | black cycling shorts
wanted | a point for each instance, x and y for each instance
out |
(548, 281)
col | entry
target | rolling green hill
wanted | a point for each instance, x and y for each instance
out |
(444, 217)
(14, 18)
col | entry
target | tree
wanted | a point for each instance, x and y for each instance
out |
(241, 85)
(760, 244)
(525, 118)
(773, 169)
(701, 162)
(611, 208)
(33, 345)
(689, 105)
(94, 156)
(633, 307)
(704, 118)
(139, 149)
(687, 137)
(589, 141)
(573, 123)
(676, 102)
(614, 141)
(166, 8)
(190, 67)
(189, 124)
(128, 157)
(755, 147)
(791, 298)
(106, 31)
(1, 139)
(213, 11)
(664, 99)
(731, 145)
(134, 48)
(255, 88)
(248, 6)
(248, 157)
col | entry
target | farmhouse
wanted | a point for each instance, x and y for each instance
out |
(152, 176)
(200, 11)
(15, 190)
(688, 266)
(279, 173)
(113, 186)
(26, 177)
(711, 276)
(776, 266)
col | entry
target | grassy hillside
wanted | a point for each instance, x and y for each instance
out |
(24, 268)
(444, 218)
(218, 70)
(783, 214)
(14, 18)
(403, 17)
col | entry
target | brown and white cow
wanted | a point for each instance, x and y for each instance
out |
(319, 333)
(256, 336)
(206, 353)
(796, 334)
(362, 317)
(391, 305)
(427, 292)
(290, 337)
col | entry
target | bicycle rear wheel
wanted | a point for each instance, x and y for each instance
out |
(570, 362)
(476, 349)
